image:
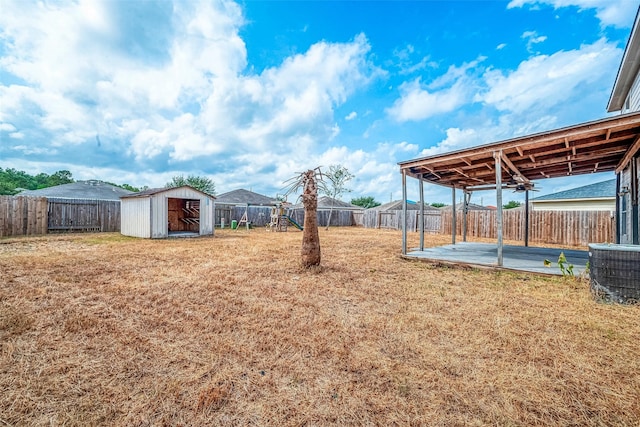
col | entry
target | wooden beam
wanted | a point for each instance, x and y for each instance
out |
(635, 146)
(432, 172)
(608, 134)
(519, 150)
(460, 172)
(513, 167)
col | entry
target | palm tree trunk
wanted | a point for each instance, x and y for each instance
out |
(310, 238)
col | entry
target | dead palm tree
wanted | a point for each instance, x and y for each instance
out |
(309, 182)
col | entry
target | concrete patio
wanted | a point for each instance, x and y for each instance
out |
(517, 258)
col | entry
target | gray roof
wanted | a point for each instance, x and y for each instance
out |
(243, 197)
(91, 189)
(599, 190)
(471, 207)
(325, 202)
(151, 191)
(396, 205)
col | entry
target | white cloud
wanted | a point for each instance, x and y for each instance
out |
(444, 94)
(352, 115)
(417, 103)
(548, 80)
(619, 13)
(532, 39)
(195, 100)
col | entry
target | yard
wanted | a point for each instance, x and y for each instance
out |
(100, 329)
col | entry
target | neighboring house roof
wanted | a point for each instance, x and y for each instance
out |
(471, 207)
(628, 70)
(599, 190)
(396, 205)
(243, 197)
(325, 202)
(91, 189)
(153, 191)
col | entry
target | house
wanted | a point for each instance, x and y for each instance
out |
(600, 196)
(470, 206)
(166, 212)
(625, 98)
(242, 197)
(396, 205)
(92, 190)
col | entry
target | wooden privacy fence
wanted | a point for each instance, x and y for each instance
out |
(83, 215)
(339, 218)
(30, 216)
(393, 219)
(22, 216)
(573, 228)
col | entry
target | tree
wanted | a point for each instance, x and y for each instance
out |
(438, 205)
(130, 188)
(337, 177)
(365, 201)
(11, 180)
(512, 204)
(201, 183)
(309, 181)
(60, 177)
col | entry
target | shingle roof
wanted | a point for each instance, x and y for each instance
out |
(243, 197)
(471, 207)
(92, 189)
(396, 205)
(325, 202)
(152, 191)
(599, 190)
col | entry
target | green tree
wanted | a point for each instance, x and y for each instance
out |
(130, 187)
(201, 183)
(438, 205)
(512, 204)
(11, 180)
(365, 201)
(60, 177)
(336, 184)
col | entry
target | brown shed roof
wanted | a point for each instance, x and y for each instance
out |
(599, 146)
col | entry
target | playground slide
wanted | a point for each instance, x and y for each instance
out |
(295, 224)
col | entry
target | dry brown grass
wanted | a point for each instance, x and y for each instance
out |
(107, 330)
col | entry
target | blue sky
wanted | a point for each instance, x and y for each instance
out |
(249, 93)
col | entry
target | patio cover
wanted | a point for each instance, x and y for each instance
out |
(603, 145)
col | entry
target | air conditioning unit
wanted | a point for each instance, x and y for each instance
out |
(615, 272)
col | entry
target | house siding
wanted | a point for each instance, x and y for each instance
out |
(633, 99)
(135, 217)
(575, 205)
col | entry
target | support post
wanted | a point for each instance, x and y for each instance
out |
(404, 212)
(465, 211)
(526, 218)
(498, 158)
(421, 185)
(454, 224)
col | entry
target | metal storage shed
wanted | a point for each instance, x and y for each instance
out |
(167, 212)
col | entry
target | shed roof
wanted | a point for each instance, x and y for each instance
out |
(153, 191)
(598, 146)
(243, 197)
(90, 189)
(598, 190)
